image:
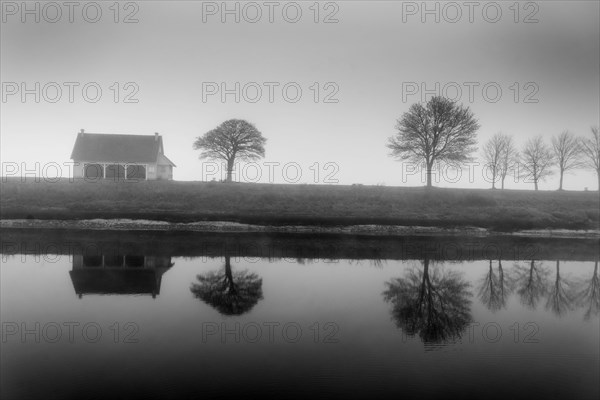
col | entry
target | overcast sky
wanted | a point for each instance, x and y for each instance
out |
(370, 61)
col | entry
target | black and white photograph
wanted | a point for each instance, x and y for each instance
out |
(308, 199)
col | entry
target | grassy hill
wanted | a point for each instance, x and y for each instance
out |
(299, 204)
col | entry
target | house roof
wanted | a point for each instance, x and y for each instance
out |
(164, 160)
(117, 148)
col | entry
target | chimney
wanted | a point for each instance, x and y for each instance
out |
(81, 132)
(156, 136)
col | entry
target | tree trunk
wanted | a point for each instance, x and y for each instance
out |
(501, 277)
(229, 170)
(503, 176)
(429, 166)
(535, 184)
(598, 172)
(531, 271)
(557, 284)
(229, 275)
(491, 274)
(426, 284)
(561, 179)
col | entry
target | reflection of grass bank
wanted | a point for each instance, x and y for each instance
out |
(295, 246)
(300, 204)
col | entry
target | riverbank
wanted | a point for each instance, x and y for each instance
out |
(290, 245)
(233, 227)
(320, 207)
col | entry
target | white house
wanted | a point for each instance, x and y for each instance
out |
(127, 157)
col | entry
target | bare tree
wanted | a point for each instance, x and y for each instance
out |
(438, 131)
(509, 158)
(561, 295)
(433, 303)
(567, 152)
(492, 155)
(590, 148)
(537, 161)
(234, 139)
(231, 293)
(531, 283)
(494, 289)
(589, 296)
(489, 289)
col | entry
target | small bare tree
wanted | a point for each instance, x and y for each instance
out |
(500, 156)
(537, 161)
(561, 295)
(495, 288)
(590, 148)
(589, 296)
(492, 155)
(438, 131)
(509, 158)
(567, 152)
(531, 284)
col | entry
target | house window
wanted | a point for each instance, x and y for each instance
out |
(135, 171)
(115, 171)
(134, 261)
(113, 261)
(92, 171)
(92, 261)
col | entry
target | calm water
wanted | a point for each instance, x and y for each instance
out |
(114, 325)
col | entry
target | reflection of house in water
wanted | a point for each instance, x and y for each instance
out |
(118, 274)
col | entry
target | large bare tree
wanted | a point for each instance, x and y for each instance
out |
(439, 131)
(234, 139)
(537, 161)
(230, 293)
(567, 152)
(433, 303)
(591, 150)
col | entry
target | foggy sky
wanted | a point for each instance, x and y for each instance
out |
(368, 54)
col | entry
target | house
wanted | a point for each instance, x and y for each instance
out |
(132, 157)
(118, 274)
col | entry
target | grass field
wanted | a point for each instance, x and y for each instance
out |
(299, 204)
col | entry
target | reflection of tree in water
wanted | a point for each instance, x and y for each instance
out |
(531, 283)
(494, 288)
(231, 293)
(432, 303)
(589, 296)
(560, 296)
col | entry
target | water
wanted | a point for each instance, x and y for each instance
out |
(160, 317)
